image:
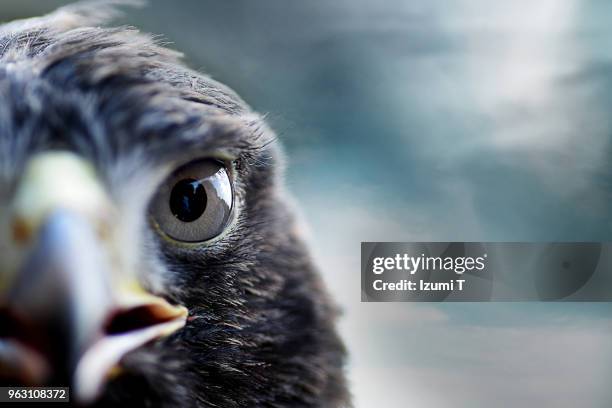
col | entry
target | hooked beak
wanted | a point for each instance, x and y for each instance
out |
(68, 310)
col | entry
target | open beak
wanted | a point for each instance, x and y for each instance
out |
(69, 311)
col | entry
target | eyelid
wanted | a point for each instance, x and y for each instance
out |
(227, 162)
(186, 157)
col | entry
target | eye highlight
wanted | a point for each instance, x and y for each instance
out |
(195, 202)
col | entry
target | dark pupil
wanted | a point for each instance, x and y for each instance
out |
(188, 200)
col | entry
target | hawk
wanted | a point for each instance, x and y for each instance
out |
(149, 255)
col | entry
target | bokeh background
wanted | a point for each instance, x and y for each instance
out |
(430, 120)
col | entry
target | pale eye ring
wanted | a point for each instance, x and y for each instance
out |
(194, 203)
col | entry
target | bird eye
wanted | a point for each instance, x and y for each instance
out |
(194, 203)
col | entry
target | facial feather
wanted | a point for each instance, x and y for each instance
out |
(261, 328)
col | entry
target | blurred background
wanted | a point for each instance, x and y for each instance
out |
(430, 120)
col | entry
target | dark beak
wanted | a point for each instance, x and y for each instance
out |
(69, 314)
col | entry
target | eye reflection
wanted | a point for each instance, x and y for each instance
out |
(194, 203)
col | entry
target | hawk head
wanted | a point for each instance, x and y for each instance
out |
(148, 253)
